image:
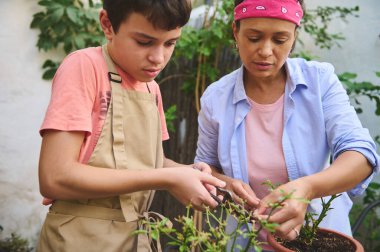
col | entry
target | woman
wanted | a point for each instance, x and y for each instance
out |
(279, 119)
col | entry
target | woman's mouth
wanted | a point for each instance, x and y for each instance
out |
(262, 66)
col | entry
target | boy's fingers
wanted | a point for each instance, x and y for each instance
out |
(209, 179)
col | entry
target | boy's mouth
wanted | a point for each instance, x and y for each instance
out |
(152, 72)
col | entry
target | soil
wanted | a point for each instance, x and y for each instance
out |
(324, 242)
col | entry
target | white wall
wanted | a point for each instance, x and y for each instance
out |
(359, 53)
(24, 97)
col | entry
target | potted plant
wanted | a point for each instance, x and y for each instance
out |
(313, 238)
(216, 237)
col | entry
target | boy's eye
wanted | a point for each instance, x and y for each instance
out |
(144, 43)
(171, 43)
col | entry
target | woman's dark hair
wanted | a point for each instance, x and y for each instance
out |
(163, 14)
(237, 2)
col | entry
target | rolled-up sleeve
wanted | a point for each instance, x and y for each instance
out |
(207, 146)
(344, 129)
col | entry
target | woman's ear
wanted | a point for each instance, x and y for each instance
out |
(294, 42)
(106, 25)
(234, 30)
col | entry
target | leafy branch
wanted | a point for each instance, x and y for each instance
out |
(215, 236)
(309, 229)
(317, 21)
(68, 24)
(356, 89)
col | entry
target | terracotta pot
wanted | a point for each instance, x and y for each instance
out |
(279, 248)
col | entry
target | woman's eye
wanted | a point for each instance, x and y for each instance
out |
(253, 39)
(280, 41)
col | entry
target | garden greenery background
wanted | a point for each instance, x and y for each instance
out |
(24, 94)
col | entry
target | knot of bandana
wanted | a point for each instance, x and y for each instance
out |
(289, 10)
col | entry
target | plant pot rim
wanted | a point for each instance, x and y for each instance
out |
(278, 247)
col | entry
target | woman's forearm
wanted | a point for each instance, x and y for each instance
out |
(348, 170)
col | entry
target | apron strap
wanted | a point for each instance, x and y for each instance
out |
(113, 75)
(117, 110)
(126, 200)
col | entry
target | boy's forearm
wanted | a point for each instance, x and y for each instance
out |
(170, 163)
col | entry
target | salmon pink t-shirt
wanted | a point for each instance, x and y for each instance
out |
(81, 94)
(265, 158)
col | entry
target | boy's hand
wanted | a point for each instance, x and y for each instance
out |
(191, 186)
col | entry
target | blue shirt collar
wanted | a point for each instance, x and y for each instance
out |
(297, 78)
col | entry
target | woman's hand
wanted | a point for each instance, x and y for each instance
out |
(291, 215)
(242, 193)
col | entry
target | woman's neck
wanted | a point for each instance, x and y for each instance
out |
(265, 90)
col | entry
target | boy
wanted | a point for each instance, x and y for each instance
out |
(103, 132)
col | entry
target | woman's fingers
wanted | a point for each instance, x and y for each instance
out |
(244, 193)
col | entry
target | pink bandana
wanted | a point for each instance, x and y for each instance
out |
(289, 10)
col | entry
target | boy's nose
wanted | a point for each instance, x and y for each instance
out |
(156, 55)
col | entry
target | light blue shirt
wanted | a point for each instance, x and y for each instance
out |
(318, 121)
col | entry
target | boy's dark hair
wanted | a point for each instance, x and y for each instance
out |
(163, 14)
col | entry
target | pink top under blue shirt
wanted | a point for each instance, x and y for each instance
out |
(318, 121)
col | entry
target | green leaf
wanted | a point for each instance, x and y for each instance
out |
(73, 15)
(37, 18)
(49, 63)
(347, 76)
(79, 41)
(56, 15)
(49, 74)
(44, 3)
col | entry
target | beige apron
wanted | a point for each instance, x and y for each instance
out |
(130, 139)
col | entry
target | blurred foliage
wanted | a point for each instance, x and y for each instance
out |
(170, 116)
(369, 232)
(357, 89)
(316, 23)
(14, 243)
(66, 24)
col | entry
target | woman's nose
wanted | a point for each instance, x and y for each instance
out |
(265, 49)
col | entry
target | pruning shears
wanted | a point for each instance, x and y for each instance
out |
(227, 195)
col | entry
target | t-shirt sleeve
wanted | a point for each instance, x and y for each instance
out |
(164, 129)
(72, 97)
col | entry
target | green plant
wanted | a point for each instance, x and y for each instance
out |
(309, 230)
(369, 232)
(358, 89)
(67, 24)
(170, 116)
(317, 21)
(215, 236)
(205, 45)
(14, 243)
